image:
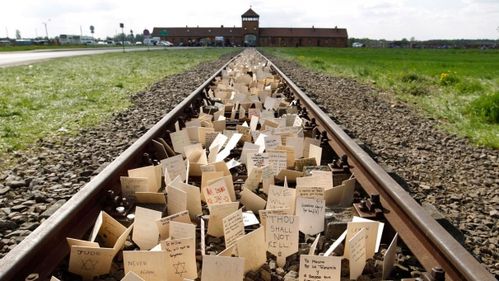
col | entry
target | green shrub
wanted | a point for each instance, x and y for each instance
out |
(469, 87)
(448, 78)
(415, 89)
(412, 77)
(486, 107)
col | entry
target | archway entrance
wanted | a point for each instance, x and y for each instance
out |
(250, 40)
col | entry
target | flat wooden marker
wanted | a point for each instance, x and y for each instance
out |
(175, 166)
(253, 249)
(357, 253)
(389, 258)
(282, 236)
(311, 212)
(180, 259)
(180, 230)
(319, 268)
(252, 201)
(314, 245)
(131, 185)
(145, 231)
(281, 198)
(177, 200)
(163, 224)
(153, 175)
(217, 213)
(233, 227)
(146, 265)
(216, 192)
(216, 268)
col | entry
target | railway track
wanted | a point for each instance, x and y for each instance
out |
(377, 197)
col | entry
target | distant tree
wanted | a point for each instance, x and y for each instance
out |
(92, 30)
(18, 34)
(131, 35)
(139, 37)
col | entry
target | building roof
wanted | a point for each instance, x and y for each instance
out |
(302, 32)
(196, 32)
(250, 13)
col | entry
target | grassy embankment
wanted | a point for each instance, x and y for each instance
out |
(459, 87)
(67, 94)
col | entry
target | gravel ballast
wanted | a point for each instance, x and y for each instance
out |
(51, 171)
(442, 170)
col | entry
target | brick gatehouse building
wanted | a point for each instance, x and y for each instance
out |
(251, 34)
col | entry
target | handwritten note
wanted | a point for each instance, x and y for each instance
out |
(180, 259)
(282, 236)
(256, 160)
(148, 265)
(317, 268)
(281, 198)
(311, 212)
(264, 213)
(278, 160)
(315, 192)
(89, 262)
(357, 253)
(272, 141)
(130, 185)
(371, 232)
(216, 268)
(233, 227)
(180, 230)
(216, 192)
(175, 166)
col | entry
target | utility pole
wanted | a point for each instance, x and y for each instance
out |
(123, 36)
(46, 30)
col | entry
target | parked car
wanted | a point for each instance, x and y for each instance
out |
(138, 43)
(165, 43)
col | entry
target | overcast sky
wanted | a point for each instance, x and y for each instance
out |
(378, 19)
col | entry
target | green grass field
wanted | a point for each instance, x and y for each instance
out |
(459, 87)
(49, 47)
(47, 98)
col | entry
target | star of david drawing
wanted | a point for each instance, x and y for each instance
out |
(88, 264)
(179, 268)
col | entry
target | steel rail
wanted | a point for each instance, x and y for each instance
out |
(429, 242)
(42, 251)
